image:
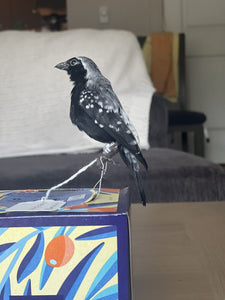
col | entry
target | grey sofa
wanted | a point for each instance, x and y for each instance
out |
(173, 176)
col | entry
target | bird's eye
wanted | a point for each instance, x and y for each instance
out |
(73, 62)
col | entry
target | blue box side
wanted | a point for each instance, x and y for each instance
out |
(119, 220)
(124, 261)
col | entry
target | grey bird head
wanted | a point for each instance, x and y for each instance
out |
(69, 64)
(75, 62)
(81, 68)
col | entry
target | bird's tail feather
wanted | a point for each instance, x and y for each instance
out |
(132, 163)
(142, 160)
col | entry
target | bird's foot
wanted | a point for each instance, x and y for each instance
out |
(109, 150)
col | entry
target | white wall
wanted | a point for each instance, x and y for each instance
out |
(138, 16)
(203, 22)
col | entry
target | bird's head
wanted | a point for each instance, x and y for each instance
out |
(79, 68)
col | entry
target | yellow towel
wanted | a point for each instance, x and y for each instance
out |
(147, 52)
(161, 51)
(175, 67)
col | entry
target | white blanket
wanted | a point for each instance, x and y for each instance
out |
(35, 96)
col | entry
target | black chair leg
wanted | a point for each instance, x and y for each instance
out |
(199, 140)
(184, 141)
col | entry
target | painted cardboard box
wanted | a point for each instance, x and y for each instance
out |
(80, 251)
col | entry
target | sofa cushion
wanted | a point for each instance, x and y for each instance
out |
(176, 176)
(173, 176)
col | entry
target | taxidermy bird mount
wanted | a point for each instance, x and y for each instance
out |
(96, 110)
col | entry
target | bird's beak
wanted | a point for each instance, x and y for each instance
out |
(62, 66)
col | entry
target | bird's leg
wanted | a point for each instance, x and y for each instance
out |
(103, 171)
(108, 152)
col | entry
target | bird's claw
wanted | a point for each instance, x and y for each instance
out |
(109, 150)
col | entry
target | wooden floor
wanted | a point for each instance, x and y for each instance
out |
(178, 251)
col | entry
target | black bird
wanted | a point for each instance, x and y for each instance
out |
(96, 110)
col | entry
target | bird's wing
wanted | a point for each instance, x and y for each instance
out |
(104, 108)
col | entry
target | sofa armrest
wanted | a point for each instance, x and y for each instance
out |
(158, 125)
